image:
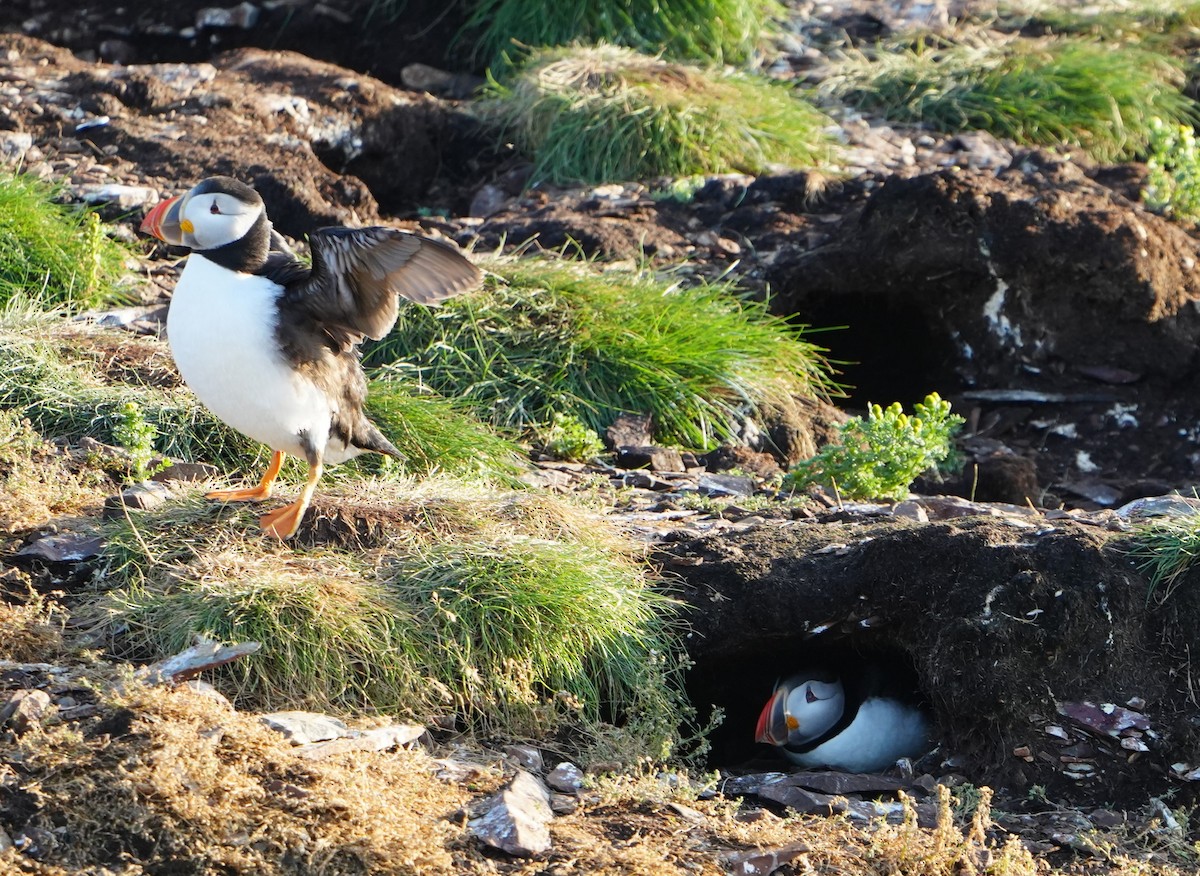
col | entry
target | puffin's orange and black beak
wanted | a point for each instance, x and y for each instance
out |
(163, 221)
(775, 723)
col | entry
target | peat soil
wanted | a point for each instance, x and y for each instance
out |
(1032, 290)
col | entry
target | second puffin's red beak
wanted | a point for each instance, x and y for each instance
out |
(772, 722)
(163, 221)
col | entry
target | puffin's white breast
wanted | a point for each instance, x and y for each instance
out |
(883, 731)
(221, 329)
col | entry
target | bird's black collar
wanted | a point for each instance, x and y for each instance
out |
(246, 255)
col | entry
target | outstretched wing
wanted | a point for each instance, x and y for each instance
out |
(359, 276)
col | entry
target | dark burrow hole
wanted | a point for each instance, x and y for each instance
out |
(885, 353)
(740, 686)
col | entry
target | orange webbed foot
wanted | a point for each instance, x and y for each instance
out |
(253, 494)
(283, 522)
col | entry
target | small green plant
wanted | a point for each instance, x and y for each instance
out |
(136, 437)
(880, 456)
(1173, 172)
(607, 114)
(569, 438)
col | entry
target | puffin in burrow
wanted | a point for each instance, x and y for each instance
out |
(270, 345)
(820, 720)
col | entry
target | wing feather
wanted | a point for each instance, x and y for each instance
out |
(359, 276)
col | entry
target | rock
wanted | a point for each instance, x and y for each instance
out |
(762, 863)
(563, 804)
(66, 547)
(629, 430)
(488, 200)
(243, 16)
(1159, 506)
(516, 820)
(14, 145)
(717, 485)
(204, 655)
(144, 496)
(654, 458)
(376, 739)
(831, 782)
(24, 710)
(456, 86)
(527, 756)
(802, 801)
(306, 727)
(121, 196)
(565, 777)
(6, 842)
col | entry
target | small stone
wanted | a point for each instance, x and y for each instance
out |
(629, 430)
(244, 16)
(761, 863)
(516, 820)
(563, 804)
(121, 196)
(565, 777)
(718, 485)
(529, 757)
(24, 709)
(6, 842)
(145, 496)
(305, 727)
(14, 145)
(66, 547)
(651, 457)
(910, 510)
(488, 200)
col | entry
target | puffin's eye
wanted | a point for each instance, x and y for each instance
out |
(809, 696)
(214, 208)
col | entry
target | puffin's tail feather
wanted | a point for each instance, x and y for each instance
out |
(371, 438)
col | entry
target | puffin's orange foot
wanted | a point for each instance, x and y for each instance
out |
(252, 494)
(283, 522)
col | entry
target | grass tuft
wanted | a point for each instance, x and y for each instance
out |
(1166, 549)
(1063, 92)
(51, 373)
(715, 31)
(551, 336)
(55, 250)
(523, 615)
(605, 114)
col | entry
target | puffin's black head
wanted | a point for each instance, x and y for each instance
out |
(219, 215)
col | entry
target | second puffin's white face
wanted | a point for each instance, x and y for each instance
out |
(213, 219)
(812, 708)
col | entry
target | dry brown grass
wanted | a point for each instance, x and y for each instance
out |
(181, 778)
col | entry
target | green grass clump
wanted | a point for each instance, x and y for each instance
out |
(1167, 549)
(717, 31)
(605, 114)
(1162, 25)
(1066, 92)
(550, 336)
(520, 614)
(56, 251)
(877, 458)
(50, 373)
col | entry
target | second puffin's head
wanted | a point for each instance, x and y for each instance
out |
(217, 211)
(801, 709)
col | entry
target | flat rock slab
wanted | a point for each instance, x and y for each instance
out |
(517, 819)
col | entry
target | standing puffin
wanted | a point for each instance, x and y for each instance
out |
(820, 722)
(270, 345)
